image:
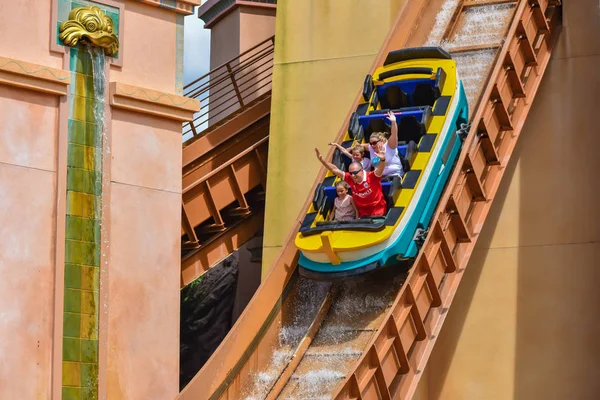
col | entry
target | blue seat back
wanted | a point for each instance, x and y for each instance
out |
(365, 120)
(407, 87)
(330, 190)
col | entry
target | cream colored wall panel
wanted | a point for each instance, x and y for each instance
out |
(323, 49)
(27, 223)
(301, 121)
(581, 29)
(522, 326)
(143, 293)
(553, 194)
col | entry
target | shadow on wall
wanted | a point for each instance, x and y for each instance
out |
(557, 326)
(452, 329)
(211, 304)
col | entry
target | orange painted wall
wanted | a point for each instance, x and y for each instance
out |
(27, 228)
(139, 327)
(144, 267)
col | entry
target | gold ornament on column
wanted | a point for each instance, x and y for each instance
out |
(90, 25)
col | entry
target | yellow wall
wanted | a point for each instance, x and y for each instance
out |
(525, 321)
(323, 49)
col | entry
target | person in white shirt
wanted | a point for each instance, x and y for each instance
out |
(378, 143)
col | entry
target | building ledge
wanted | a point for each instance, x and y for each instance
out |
(148, 101)
(179, 6)
(34, 76)
(213, 10)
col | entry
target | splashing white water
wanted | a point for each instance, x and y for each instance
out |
(442, 20)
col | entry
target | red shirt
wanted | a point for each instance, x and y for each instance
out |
(367, 195)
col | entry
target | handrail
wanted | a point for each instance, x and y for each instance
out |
(227, 165)
(228, 87)
(272, 39)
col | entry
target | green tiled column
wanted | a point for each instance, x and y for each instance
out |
(82, 253)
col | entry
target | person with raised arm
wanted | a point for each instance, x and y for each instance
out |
(379, 143)
(356, 153)
(365, 186)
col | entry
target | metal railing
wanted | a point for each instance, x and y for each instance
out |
(230, 87)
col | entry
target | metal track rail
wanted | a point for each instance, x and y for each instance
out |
(402, 336)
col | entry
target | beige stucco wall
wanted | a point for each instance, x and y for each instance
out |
(144, 266)
(28, 136)
(524, 323)
(149, 47)
(323, 50)
(256, 24)
(26, 32)
(225, 39)
(140, 277)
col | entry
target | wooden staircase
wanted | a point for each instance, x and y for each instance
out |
(225, 159)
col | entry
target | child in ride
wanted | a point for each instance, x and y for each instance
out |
(344, 208)
(366, 187)
(357, 154)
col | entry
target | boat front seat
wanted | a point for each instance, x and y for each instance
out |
(410, 129)
(394, 98)
(424, 95)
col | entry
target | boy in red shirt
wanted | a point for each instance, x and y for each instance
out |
(366, 186)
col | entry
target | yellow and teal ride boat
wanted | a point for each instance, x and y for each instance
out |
(422, 88)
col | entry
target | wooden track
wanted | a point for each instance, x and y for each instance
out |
(398, 339)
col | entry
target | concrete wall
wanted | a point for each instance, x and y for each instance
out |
(524, 323)
(323, 50)
(28, 152)
(225, 39)
(139, 292)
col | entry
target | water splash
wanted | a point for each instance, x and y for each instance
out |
(442, 19)
(483, 25)
(99, 108)
(302, 306)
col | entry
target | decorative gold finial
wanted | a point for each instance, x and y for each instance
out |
(90, 24)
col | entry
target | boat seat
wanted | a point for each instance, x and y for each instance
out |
(368, 88)
(318, 197)
(338, 159)
(410, 129)
(412, 122)
(361, 109)
(355, 129)
(387, 187)
(424, 95)
(327, 206)
(391, 188)
(377, 125)
(347, 160)
(410, 152)
(394, 97)
(399, 110)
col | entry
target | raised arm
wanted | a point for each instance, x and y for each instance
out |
(365, 146)
(393, 140)
(336, 171)
(341, 148)
(381, 166)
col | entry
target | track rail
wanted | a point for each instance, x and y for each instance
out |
(401, 338)
(393, 362)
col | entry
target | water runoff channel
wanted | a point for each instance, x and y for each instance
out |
(349, 313)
